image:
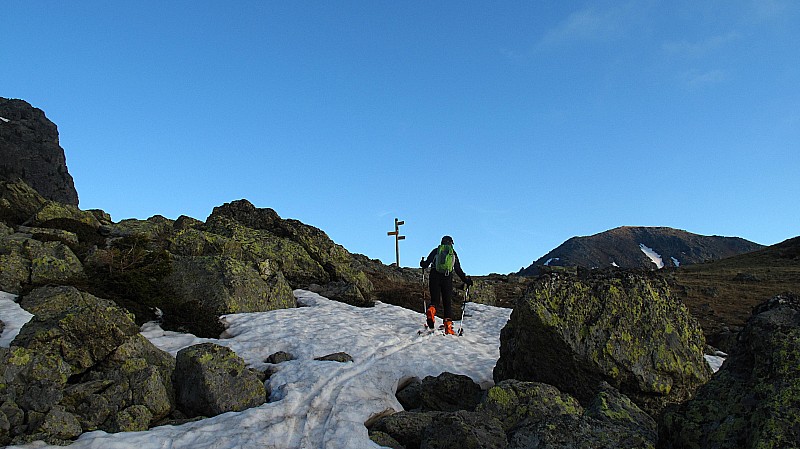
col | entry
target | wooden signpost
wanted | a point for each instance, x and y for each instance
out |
(397, 238)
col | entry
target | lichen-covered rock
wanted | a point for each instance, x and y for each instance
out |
(216, 285)
(617, 327)
(536, 415)
(18, 202)
(383, 439)
(27, 262)
(753, 401)
(471, 430)
(210, 379)
(306, 246)
(512, 402)
(79, 327)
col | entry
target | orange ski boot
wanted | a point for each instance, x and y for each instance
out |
(448, 327)
(430, 314)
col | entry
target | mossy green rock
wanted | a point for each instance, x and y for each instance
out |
(472, 430)
(81, 328)
(25, 261)
(617, 327)
(512, 401)
(224, 285)
(19, 202)
(210, 379)
(753, 401)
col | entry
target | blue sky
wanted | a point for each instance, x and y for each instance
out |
(511, 126)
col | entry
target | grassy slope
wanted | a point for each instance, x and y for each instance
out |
(723, 293)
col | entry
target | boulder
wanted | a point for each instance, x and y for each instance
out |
(619, 327)
(308, 248)
(471, 430)
(79, 327)
(754, 399)
(449, 392)
(210, 379)
(209, 286)
(29, 262)
(81, 359)
(19, 202)
(536, 415)
(407, 428)
(30, 151)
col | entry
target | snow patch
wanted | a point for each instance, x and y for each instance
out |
(550, 260)
(715, 361)
(13, 316)
(654, 256)
(676, 261)
(5, 119)
(614, 264)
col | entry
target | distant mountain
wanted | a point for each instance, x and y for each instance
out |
(641, 247)
(30, 151)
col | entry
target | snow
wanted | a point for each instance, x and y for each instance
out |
(315, 404)
(550, 260)
(654, 256)
(614, 264)
(676, 261)
(715, 361)
(13, 316)
(5, 119)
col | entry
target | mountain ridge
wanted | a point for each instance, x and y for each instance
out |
(641, 247)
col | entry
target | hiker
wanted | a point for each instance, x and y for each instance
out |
(445, 262)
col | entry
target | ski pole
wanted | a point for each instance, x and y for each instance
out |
(463, 309)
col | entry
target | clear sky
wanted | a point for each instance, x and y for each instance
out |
(511, 126)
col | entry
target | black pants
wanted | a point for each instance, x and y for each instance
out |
(441, 288)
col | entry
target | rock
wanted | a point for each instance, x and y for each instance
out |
(79, 327)
(28, 262)
(31, 152)
(216, 285)
(471, 430)
(341, 357)
(117, 379)
(754, 399)
(309, 249)
(449, 392)
(279, 357)
(407, 428)
(617, 327)
(210, 379)
(60, 424)
(536, 415)
(19, 202)
(409, 395)
(511, 402)
(383, 439)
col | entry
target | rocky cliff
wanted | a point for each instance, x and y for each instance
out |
(30, 151)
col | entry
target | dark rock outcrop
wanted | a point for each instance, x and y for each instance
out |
(613, 327)
(30, 151)
(80, 365)
(754, 399)
(210, 379)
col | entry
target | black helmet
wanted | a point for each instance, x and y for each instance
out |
(447, 240)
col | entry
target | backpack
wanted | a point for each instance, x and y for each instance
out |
(445, 259)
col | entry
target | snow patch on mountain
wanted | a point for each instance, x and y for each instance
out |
(654, 256)
(676, 261)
